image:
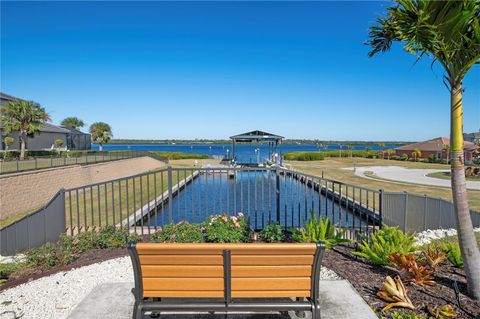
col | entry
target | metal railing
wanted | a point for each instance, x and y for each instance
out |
(415, 213)
(84, 158)
(146, 202)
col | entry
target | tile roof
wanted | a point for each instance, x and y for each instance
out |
(436, 145)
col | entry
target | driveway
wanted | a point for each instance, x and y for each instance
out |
(408, 175)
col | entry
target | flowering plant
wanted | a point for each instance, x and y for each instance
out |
(227, 229)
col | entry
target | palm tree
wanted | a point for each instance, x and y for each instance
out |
(448, 32)
(390, 153)
(446, 149)
(73, 122)
(350, 147)
(416, 154)
(101, 133)
(382, 145)
(26, 117)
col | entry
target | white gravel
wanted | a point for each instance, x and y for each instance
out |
(55, 296)
(425, 237)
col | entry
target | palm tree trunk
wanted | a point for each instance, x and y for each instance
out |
(466, 237)
(22, 145)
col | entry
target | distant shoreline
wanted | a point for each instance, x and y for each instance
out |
(287, 141)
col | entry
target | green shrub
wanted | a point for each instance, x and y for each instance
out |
(179, 155)
(111, 238)
(452, 249)
(44, 257)
(6, 269)
(272, 233)
(227, 229)
(182, 232)
(385, 242)
(400, 314)
(304, 156)
(404, 157)
(316, 230)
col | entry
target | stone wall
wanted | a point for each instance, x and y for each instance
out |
(25, 192)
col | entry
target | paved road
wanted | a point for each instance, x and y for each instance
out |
(408, 175)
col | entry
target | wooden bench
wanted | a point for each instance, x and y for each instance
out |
(226, 277)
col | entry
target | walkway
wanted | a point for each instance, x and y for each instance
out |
(408, 175)
(109, 301)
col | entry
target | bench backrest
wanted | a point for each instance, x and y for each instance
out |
(204, 270)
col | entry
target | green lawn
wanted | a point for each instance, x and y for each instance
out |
(446, 175)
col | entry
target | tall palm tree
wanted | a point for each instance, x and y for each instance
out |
(448, 32)
(390, 153)
(446, 149)
(26, 117)
(416, 154)
(350, 147)
(382, 145)
(101, 133)
(73, 122)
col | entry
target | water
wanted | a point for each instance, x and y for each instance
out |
(253, 194)
(245, 153)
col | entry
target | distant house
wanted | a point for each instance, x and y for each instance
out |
(73, 139)
(472, 137)
(437, 147)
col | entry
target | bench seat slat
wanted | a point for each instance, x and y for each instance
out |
(272, 271)
(270, 293)
(217, 249)
(185, 294)
(294, 283)
(279, 260)
(183, 284)
(181, 259)
(186, 271)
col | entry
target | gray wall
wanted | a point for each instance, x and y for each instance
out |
(43, 226)
(45, 140)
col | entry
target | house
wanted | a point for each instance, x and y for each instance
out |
(438, 147)
(472, 137)
(73, 139)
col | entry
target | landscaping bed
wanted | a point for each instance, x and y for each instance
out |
(368, 278)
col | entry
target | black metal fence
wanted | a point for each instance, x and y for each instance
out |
(75, 158)
(36, 229)
(414, 213)
(146, 202)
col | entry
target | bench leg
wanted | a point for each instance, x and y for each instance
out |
(137, 312)
(316, 311)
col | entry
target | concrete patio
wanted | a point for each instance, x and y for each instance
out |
(115, 300)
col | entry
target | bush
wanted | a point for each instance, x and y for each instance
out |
(304, 156)
(404, 157)
(182, 232)
(319, 230)
(385, 242)
(400, 314)
(179, 155)
(272, 233)
(452, 249)
(227, 229)
(6, 269)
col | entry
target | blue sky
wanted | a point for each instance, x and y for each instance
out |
(210, 70)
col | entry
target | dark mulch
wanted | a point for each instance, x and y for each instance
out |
(87, 258)
(368, 279)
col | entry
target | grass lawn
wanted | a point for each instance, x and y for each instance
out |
(446, 175)
(333, 169)
(47, 162)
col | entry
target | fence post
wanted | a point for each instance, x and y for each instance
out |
(277, 193)
(51, 160)
(425, 198)
(170, 194)
(380, 207)
(36, 165)
(17, 165)
(405, 212)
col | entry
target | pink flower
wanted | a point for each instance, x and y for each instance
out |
(225, 218)
(254, 237)
(240, 214)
